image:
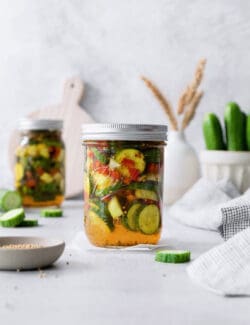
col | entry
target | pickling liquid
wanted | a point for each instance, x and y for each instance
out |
(28, 201)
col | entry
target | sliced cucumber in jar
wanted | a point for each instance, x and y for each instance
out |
(129, 160)
(149, 219)
(115, 208)
(104, 223)
(146, 195)
(132, 216)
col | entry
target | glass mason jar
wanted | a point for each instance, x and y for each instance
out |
(123, 183)
(39, 163)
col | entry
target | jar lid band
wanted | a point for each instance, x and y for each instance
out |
(130, 132)
(40, 124)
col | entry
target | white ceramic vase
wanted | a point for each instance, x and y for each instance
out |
(182, 167)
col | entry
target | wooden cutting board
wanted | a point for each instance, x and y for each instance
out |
(73, 116)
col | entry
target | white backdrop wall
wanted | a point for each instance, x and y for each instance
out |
(109, 44)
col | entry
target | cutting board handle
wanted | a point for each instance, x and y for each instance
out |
(73, 91)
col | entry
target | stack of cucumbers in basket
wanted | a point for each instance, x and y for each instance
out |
(13, 214)
(237, 130)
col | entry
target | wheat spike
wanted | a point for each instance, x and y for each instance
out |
(190, 112)
(163, 101)
(190, 91)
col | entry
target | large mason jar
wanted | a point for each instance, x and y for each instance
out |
(39, 163)
(123, 183)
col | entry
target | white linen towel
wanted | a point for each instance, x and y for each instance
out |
(201, 206)
(225, 269)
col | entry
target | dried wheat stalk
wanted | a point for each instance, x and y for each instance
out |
(190, 112)
(191, 90)
(163, 101)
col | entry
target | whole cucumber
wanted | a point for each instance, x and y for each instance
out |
(235, 122)
(248, 132)
(212, 132)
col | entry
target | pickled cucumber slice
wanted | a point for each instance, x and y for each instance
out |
(114, 208)
(149, 219)
(9, 200)
(51, 213)
(146, 195)
(101, 223)
(100, 210)
(172, 256)
(29, 223)
(132, 155)
(132, 216)
(144, 185)
(12, 218)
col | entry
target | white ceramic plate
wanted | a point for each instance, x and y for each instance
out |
(32, 258)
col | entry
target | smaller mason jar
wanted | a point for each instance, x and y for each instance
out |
(40, 163)
(123, 183)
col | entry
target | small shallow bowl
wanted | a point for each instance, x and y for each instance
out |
(30, 258)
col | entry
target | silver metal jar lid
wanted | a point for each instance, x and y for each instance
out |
(130, 132)
(26, 124)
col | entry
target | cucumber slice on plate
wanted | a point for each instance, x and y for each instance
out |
(9, 200)
(172, 256)
(29, 223)
(51, 213)
(149, 219)
(12, 218)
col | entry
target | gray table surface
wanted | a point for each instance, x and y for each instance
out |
(93, 286)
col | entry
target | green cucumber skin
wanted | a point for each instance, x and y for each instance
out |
(248, 131)
(172, 257)
(4, 193)
(212, 132)
(28, 223)
(14, 221)
(235, 122)
(51, 213)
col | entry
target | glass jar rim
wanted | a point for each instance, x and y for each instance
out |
(27, 124)
(121, 131)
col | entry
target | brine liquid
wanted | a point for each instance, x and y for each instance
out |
(28, 201)
(120, 236)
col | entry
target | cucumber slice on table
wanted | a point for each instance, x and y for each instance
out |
(235, 122)
(9, 200)
(12, 218)
(149, 219)
(212, 132)
(51, 213)
(29, 223)
(172, 256)
(132, 216)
